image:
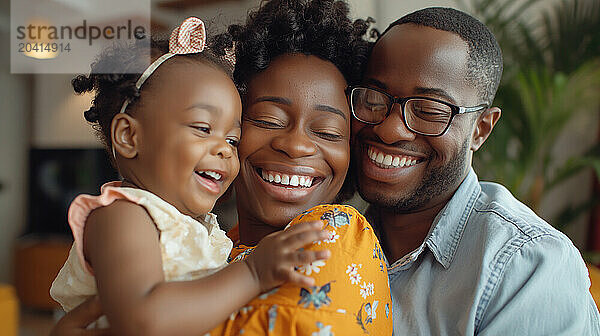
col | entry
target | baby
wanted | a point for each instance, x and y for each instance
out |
(148, 245)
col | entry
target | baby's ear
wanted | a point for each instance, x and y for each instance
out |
(124, 135)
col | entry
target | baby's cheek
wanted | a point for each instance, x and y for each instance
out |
(235, 169)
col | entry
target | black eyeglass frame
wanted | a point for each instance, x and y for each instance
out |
(402, 101)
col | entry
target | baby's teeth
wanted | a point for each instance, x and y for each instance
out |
(396, 161)
(402, 162)
(379, 158)
(302, 181)
(285, 179)
(277, 178)
(212, 174)
(265, 176)
(271, 178)
(294, 181)
(309, 181)
(387, 160)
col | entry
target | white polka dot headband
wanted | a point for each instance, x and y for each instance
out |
(188, 38)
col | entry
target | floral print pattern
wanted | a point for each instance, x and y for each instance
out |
(242, 256)
(366, 289)
(350, 287)
(378, 254)
(316, 295)
(371, 312)
(323, 330)
(331, 238)
(272, 317)
(336, 218)
(312, 267)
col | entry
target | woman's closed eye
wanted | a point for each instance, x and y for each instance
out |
(270, 123)
(330, 135)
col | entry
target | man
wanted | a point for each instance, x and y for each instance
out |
(465, 256)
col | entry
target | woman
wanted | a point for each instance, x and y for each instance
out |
(294, 60)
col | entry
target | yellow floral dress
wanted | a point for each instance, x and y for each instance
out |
(351, 295)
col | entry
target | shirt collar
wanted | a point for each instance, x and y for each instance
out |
(447, 228)
(449, 225)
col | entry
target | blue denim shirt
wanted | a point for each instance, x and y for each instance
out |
(490, 266)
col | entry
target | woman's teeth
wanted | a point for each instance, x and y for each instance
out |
(390, 161)
(209, 173)
(288, 180)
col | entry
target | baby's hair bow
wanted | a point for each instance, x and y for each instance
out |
(188, 38)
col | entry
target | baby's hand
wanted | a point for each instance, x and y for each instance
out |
(272, 262)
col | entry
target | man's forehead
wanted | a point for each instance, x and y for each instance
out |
(410, 57)
(421, 42)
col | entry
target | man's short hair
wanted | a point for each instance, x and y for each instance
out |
(484, 66)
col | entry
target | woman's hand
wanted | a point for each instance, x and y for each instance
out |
(74, 323)
(274, 260)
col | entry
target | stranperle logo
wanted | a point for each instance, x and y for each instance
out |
(66, 36)
(82, 32)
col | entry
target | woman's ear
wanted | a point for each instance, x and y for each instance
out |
(484, 126)
(124, 134)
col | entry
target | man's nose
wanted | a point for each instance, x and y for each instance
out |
(393, 129)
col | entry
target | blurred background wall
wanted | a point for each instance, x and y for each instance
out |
(39, 114)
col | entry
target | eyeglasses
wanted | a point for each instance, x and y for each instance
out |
(421, 115)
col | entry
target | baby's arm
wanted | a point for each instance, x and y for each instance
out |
(122, 246)
(75, 322)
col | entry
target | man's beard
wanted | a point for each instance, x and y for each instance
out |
(436, 182)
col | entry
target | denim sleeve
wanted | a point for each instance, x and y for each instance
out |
(541, 287)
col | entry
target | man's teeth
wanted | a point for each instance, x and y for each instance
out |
(285, 179)
(391, 160)
(212, 174)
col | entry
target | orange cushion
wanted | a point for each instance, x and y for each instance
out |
(595, 278)
(9, 311)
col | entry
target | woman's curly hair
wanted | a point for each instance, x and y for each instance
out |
(320, 28)
(114, 74)
(313, 27)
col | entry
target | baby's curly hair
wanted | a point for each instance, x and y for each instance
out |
(114, 74)
(320, 28)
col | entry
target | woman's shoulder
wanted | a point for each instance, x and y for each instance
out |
(332, 215)
(347, 227)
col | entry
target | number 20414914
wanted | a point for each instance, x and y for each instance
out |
(44, 47)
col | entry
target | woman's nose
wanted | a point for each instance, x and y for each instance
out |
(393, 129)
(294, 143)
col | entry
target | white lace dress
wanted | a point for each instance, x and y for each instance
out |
(190, 248)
